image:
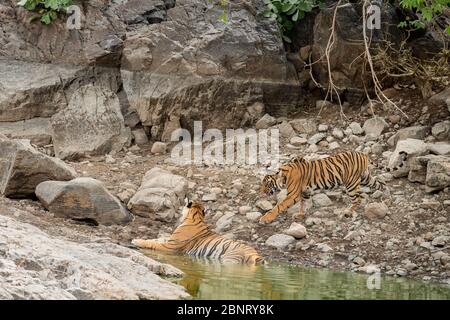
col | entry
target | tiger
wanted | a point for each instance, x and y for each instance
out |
(194, 237)
(301, 176)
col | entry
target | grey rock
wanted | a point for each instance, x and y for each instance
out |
(321, 200)
(317, 138)
(209, 197)
(224, 222)
(286, 130)
(92, 124)
(374, 127)
(439, 241)
(375, 211)
(439, 148)
(441, 97)
(160, 195)
(264, 205)
(22, 168)
(334, 145)
(298, 141)
(296, 230)
(441, 130)
(37, 130)
(356, 128)
(438, 173)
(140, 137)
(82, 198)
(159, 147)
(415, 132)
(244, 209)
(30, 90)
(337, 133)
(280, 241)
(307, 126)
(413, 148)
(266, 122)
(253, 216)
(54, 268)
(172, 124)
(324, 247)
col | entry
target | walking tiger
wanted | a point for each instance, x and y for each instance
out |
(299, 176)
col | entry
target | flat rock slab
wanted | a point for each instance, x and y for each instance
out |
(29, 90)
(22, 168)
(82, 198)
(36, 130)
(92, 124)
(52, 268)
(159, 195)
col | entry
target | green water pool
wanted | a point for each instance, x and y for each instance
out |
(205, 279)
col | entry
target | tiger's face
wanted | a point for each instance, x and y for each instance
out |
(270, 184)
(193, 211)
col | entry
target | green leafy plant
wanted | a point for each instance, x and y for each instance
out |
(427, 11)
(45, 10)
(288, 12)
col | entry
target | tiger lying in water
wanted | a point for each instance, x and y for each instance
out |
(299, 176)
(193, 237)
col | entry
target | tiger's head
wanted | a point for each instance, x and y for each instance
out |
(271, 184)
(193, 211)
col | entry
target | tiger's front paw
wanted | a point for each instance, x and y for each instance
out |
(138, 242)
(268, 217)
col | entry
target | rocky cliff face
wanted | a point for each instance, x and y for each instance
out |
(163, 59)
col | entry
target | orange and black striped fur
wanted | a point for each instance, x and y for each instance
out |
(194, 237)
(300, 176)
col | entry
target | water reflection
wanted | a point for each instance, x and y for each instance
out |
(206, 279)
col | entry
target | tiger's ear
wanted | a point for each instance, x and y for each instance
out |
(187, 202)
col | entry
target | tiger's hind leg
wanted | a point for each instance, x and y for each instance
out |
(301, 214)
(353, 190)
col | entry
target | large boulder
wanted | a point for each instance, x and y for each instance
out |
(22, 168)
(441, 130)
(159, 196)
(82, 199)
(431, 170)
(415, 132)
(438, 173)
(37, 266)
(412, 148)
(92, 124)
(198, 66)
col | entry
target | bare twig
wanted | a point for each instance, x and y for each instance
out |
(368, 56)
